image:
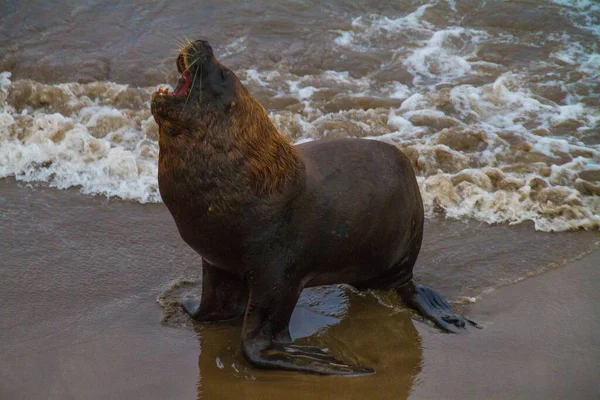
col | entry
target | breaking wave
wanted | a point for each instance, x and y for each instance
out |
(494, 138)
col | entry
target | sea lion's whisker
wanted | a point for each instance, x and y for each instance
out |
(181, 43)
(192, 87)
(189, 66)
(190, 43)
(176, 51)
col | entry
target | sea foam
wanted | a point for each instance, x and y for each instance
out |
(487, 141)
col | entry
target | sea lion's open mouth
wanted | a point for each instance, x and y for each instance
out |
(204, 85)
(184, 83)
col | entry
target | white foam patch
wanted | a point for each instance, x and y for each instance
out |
(235, 47)
(118, 159)
(284, 83)
(584, 13)
(432, 55)
(372, 32)
(472, 194)
(398, 90)
(440, 57)
(345, 39)
(400, 124)
(496, 170)
(591, 66)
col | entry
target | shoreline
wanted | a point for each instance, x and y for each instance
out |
(80, 278)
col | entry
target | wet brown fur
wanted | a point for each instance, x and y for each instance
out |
(271, 160)
(265, 162)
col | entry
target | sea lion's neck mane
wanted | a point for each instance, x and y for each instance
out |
(273, 163)
(229, 161)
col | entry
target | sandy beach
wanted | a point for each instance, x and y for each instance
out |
(540, 342)
(81, 276)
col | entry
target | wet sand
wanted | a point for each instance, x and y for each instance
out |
(80, 278)
(496, 103)
(541, 341)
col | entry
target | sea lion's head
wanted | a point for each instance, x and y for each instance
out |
(212, 122)
(205, 93)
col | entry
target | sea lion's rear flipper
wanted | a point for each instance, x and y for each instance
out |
(433, 306)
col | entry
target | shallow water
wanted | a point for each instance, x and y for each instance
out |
(80, 279)
(497, 104)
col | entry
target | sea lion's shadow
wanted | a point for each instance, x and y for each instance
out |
(360, 328)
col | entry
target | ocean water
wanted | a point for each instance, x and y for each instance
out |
(497, 104)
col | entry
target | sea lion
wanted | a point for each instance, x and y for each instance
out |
(269, 218)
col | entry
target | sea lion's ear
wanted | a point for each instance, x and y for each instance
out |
(223, 74)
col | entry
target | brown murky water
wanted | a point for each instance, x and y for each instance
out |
(496, 103)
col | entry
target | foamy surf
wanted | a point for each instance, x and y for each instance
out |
(99, 136)
(491, 137)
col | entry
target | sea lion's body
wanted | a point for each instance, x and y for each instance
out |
(354, 215)
(270, 219)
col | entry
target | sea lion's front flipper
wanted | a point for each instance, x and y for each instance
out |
(433, 306)
(265, 335)
(223, 296)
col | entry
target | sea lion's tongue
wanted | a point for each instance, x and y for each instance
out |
(183, 85)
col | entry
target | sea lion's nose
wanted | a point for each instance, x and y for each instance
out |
(203, 47)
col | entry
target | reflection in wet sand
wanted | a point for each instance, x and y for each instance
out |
(366, 333)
